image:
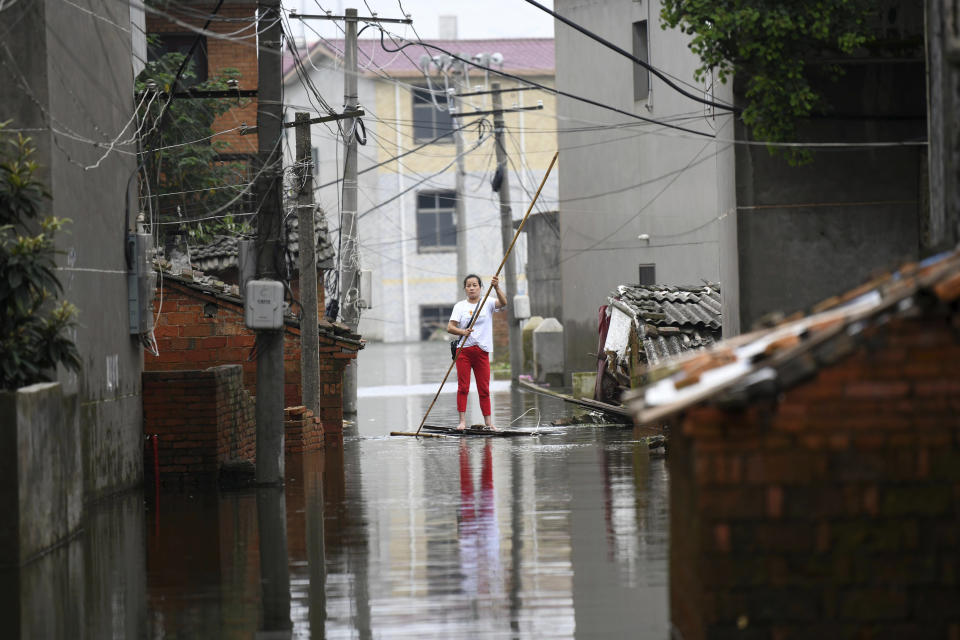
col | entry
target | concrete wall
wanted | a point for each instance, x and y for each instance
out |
(71, 67)
(543, 269)
(806, 233)
(41, 482)
(619, 183)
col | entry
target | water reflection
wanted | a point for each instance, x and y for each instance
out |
(92, 587)
(558, 536)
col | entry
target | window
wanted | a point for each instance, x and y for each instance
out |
(641, 50)
(436, 229)
(428, 121)
(434, 320)
(196, 71)
(648, 274)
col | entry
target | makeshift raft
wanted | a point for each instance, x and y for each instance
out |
(433, 431)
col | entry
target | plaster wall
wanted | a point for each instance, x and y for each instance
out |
(637, 178)
(805, 233)
(72, 66)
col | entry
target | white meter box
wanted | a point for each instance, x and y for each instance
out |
(264, 305)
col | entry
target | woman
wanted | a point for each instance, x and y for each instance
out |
(476, 346)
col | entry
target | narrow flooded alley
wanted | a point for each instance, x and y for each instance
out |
(561, 535)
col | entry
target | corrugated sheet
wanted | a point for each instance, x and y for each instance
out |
(668, 306)
(689, 314)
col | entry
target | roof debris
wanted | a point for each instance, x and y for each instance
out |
(773, 359)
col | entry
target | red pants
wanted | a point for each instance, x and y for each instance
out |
(479, 360)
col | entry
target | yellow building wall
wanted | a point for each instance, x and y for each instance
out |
(532, 131)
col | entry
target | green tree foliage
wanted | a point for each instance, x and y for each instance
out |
(771, 45)
(33, 325)
(187, 177)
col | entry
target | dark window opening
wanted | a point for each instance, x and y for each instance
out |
(436, 226)
(434, 319)
(428, 121)
(641, 51)
(648, 274)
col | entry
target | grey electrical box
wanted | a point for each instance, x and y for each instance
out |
(365, 295)
(263, 308)
(141, 282)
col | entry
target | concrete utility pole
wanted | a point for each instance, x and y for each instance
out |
(506, 231)
(309, 334)
(268, 195)
(463, 266)
(349, 258)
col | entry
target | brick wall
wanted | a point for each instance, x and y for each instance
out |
(201, 418)
(302, 431)
(196, 330)
(238, 52)
(501, 337)
(832, 511)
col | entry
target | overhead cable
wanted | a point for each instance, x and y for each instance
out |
(646, 65)
(544, 87)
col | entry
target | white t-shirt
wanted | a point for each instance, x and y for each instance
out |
(482, 335)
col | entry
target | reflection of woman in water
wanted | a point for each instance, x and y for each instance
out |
(476, 347)
(479, 533)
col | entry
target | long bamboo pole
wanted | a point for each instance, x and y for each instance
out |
(487, 294)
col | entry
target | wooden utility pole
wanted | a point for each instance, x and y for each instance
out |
(309, 334)
(506, 231)
(267, 188)
(463, 266)
(349, 257)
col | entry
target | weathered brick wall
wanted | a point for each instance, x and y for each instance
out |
(237, 52)
(201, 419)
(832, 511)
(196, 330)
(302, 430)
(501, 337)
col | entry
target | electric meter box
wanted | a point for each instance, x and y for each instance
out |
(141, 282)
(521, 307)
(263, 308)
(365, 295)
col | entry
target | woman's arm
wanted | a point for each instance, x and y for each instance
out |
(456, 330)
(501, 298)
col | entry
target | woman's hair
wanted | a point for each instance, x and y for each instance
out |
(472, 275)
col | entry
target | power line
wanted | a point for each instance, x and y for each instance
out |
(646, 65)
(553, 90)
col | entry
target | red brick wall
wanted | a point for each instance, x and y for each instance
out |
(238, 52)
(197, 330)
(201, 419)
(832, 511)
(501, 337)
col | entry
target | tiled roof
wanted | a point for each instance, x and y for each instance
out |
(527, 55)
(771, 360)
(660, 347)
(230, 294)
(222, 252)
(671, 320)
(662, 305)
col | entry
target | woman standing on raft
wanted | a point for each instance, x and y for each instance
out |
(477, 345)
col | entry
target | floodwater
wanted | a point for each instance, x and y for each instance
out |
(562, 535)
